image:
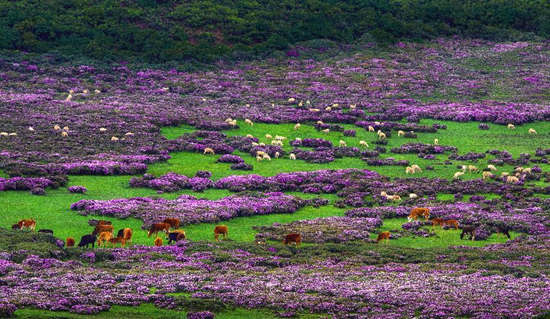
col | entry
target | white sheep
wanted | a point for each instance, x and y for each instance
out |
(102, 129)
(204, 99)
(511, 126)
(31, 129)
(249, 136)
(85, 91)
(413, 196)
(247, 105)
(352, 107)
(64, 134)
(300, 104)
(457, 175)
(371, 129)
(504, 174)
(326, 131)
(71, 92)
(463, 168)
(129, 134)
(255, 144)
(409, 170)
(260, 153)
(400, 133)
(308, 102)
(13, 134)
(436, 141)
(97, 91)
(382, 136)
(249, 122)
(228, 120)
(335, 105)
(280, 138)
(291, 100)
(512, 179)
(363, 143)
(314, 110)
(292, 157)
(69, 97)
(65, 128)
(377, 123)
(416, 168)
(492, 167)
(277, 154)
(328, 108)
(165, 89)
(267, 157)
(532, 131)
(276, 143)
(56, 127)
(234, 123)
(343, 143)
(261, 144)
(268, 136)
(209, 150)
(4, 134)
(297, 126)
(519, 169)
(320, 123)
(472, 168)
(487, 175)
(527, 170)
(259, 158)
(114, 138)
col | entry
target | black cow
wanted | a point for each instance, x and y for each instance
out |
(175, 236)
(501, 229)
(15, 226)
(468, 230)
(86, 240)
(46, 231)
(120, 233)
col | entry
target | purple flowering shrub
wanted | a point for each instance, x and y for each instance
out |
(77, 189)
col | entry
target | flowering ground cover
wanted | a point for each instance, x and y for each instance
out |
(138, 151)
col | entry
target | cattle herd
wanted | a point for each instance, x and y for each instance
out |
(103, 232)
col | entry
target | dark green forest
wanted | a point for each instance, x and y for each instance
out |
(206, 30)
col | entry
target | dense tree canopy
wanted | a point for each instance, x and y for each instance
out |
(165, 30)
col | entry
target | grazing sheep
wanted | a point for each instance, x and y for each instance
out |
(64, 134)
(249, 122)
(320, 123)
(260, 153)
(267, 157)
(308, 102)
(292, 157)
(234, 123)
(247, 105)
(352, 107)
(129, 134)
(409, 170)
(165, 89)
(4, 134)
(208, 150)
(102, 129)
(249, 136)
(259, 158)
(65, 128)
(97, 91)
(269, 137)
(492, 167)
(527, 170)
(343, 143)
(416, 168)
(31, 129)
(255, 144)
(335, 105)
(519, 169)
(13, 134)
(262, 144)
(326, 131)
(69, 97)
(114, 138)
(328, 109)
(504, 174)
(277, 143)
(532, 131)
(71, 92)
(457, 175)
(314, 110)
(436, 141)
(57, 127)
(512, 179)
(363, 143)
(280, 138)
(487, 175)
(413, 196)
(228, 120)
(511, 126)
(277, 154)
(382, 136)
(85, 91)
(400, 133)
(297, 126)
(291, 100)
(300, 104)
(472, 168)
(463, 168)
(371, 129)
(377, 123)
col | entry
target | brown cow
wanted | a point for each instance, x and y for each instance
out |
(419, 212)
(437, 222)
(174, 222)
(103, 228)
(114, 241)
(468, 230)
(293, 238)
(104, 237)
(127, 235)
(383, 236)
(27, 223)
(155, 228)
(104, 222)
(70, 242)
(176, 236)
(451, 223)
(158, 242)
(221, 230)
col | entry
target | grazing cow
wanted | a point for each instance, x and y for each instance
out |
(383, 236)
(293, 238)
(176, 236)
(501, 229)
(15, 226)
(174, 222)
(419, 212)
(120, 233)
(221, 230)
(27, 223)
(451, 223)
(86, 240)
(468, 230)
(155, 228)
(95, 222)
(437, 222)
(103, 228)
(46, 231)
(116, 240)
(70, 242)
(104, 237)
(127, 235)
(158, 242)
